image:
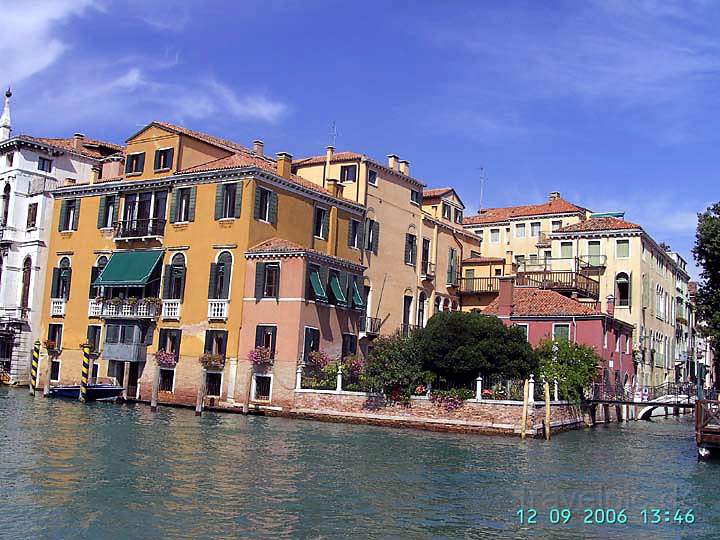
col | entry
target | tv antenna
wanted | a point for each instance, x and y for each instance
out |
(333, 133)
(483, 178)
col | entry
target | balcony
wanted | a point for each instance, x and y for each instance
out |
(427, 271)
(171, 309)
(57, 307)
(370, 326)
(477, 285)
(218, 309)
(140, 229)
(561, 281)
(125, 352)
(122, 310)
(592, 262)
(543, 239)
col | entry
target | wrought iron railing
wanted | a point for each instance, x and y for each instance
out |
(479, 285)
(140, 228)
(560, 280)
(370, 325)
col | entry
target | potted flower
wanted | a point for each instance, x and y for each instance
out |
(212, 361)
(152, 301)
(319, 359)
(132, 300)
(166, 359)
(260, 356)
(99, 299)
(115, 301)
(51, 347)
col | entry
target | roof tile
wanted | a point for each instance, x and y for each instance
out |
(599, 224)
(531, 301)
(494, 215)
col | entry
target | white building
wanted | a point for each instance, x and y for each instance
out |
(30, 167)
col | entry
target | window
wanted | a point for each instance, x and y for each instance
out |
(135, 163)
(498, 271)
(415, 197)
(265, 205)
(622, 289)
(524, 329)
(452, 267)
(617, 343)
(167, 380)
(213, 383)
(44, 164)
(566, 250)
(6, 204)
(422, 300)
(262, 387)
(311, 343)
(69, 215)
(25, 288)
(561, 331)
(226, 197)
(266, 336)
(535, 229)
(348, 173)
(338, 287)
(556, 224)
(271, 284)
(349, 345)
(32, 215)
(458, 216)
(410, 249)
(628, 343)
(321, 223)
(94, 273)
(425, 256)
(533, 259)
(93, 337)
(622, 249)
(55, 333)
(316, 284)
(60, 287)
(174, 279)
(495, 236)
(55, 369)
(10, 159)
(107, 211)
(184, 205)
(446, 211)
(372, 177)
(520, 230)
(519, 259)
(215, 342)
(169, 340)
(372, 235)
(220, 274)
(163, 159)
(354, 234)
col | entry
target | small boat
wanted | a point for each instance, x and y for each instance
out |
(95, 392)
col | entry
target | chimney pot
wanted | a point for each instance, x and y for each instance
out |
(404, 167)
(284, 164)
(258, 147)
(329, 152)
(393, 162)
(554, 195)
(77, 140)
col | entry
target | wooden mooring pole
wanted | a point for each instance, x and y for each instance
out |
(155, 388)
(201, 395)
(34, 363)
(547, 411)
(524, 409)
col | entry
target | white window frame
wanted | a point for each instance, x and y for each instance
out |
(100, 335)
(375, 183)
(253, 387)
(356, 236)
(172, 391)
(520, 227)
(555, 225)
(129, 156)
(265, 211)
(498, 236)
(232, 270)
(538, 224)
(415, 197)
(62, 335)
(59, 361)
(162, 168)
(315, 211)
(269, 261)
(555, 325)
(617, 242)
(572, 250)
(527, 329)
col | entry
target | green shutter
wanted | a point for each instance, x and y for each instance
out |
(227, 275)
(171, 154)
(324, 273)
(174, 205)
(167, 280)
(55, 288)
(76, 215)
(212, 285)
(366, 233)
(258, 335)
(361, 235)
(317, 285)
(63, 214)
(326, 224)
(630, 290)
(357, 299)
(345, 285)
(94, 272)
(350, 233)
(272, 211)
(273, 340)
(183, 274)
(116, 208)
(193, 198)
(127, 165)
(407, 248)
(157, 160)
(238, 199)
(376, 237)
(337, 290)
(141, 162)
(259, 279)
(101, 213)
(69, 280)
(219, 195)
(257, 212)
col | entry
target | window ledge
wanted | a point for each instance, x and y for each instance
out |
(319, 238)
(181, 223)
(164, 169)
(67, 231)
(227, 219)
(136, 173)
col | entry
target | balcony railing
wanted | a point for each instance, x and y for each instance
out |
(370, 325)
(57, 307)
(122, 310)
(171, 309)
(592, 261)
(561, 281)
(479, 285)
(217, 309)
(407, 329)
(427, 269)
(140, 228)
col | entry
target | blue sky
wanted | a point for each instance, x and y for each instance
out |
(614, 104)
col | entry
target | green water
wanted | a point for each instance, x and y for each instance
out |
(119, 471)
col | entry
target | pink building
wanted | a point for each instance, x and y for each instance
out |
(546, 314)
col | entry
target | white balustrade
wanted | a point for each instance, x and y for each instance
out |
(95, 308)
(217, 309)
(171, 309)
(57, 306)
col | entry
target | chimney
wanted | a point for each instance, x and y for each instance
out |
(611, 305)
(258, 147)
(77, 140)
(554, 195)
(405, 167)
(505, 297)
(335, 187)
(284, 164)
(329, 152)
(393, 162)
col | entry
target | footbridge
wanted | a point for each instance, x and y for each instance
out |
(646, 399)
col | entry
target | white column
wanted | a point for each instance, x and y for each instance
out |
(298, 376)
(531, 389)
(478, 388)
(339, 379)
(555, 390)
(232, 375)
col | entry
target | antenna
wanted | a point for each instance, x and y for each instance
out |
(482, 186)
(333, 133)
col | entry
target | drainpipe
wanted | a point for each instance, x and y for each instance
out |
(575, 332)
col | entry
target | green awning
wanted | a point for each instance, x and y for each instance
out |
(337, 289)
(357, 297)
(317, 286)
(128, 269)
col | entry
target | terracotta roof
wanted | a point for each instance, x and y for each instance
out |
(480, 260)
(337, 157)
(554, 206)
(89, 147)
(599, 224)
(433, 193)
(531, 301)
(281, 245)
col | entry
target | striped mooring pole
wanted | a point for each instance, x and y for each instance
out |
(34, 367)
(85, 372)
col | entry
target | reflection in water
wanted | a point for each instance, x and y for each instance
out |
(109, 471)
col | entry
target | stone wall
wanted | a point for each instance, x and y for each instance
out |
(501, 417)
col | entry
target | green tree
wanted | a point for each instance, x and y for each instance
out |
(457, 345)
(573, 366)
(707, 255)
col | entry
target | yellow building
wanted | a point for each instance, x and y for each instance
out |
(157, 258)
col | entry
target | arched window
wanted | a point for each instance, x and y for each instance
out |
(5, 204)
(422, 300)
(94, 273)
(26, 275)
(174, 284)
(63, 280)
(220, 274)
(437, 303)
(622, 289)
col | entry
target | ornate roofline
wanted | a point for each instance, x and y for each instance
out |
(311, 255)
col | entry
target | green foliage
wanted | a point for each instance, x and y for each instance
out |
(458, 344)
(707, 254)
(573, 366)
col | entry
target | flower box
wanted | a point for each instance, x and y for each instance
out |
(260, 356)
(166, 359)
(212, 361)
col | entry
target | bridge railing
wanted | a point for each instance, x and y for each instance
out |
(680, 392)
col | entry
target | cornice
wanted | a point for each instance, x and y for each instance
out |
(308, 254)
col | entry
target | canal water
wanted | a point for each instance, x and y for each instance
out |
(106, 471)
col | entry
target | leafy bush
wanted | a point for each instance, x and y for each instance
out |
(451, 400)
(572, 365)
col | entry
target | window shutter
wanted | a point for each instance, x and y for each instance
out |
(227, 275)
(212, 286)
(101, 213)
(257, 212)
(259, 279)
(171, 154)
(116, 208)
(326, 224)
(183, 274)
(272, 211)
(238, 199)
(630, 281)
(193, 198)
(127, 165)
(178, 334)
(167, 280)
(350, 233)
(324, 278)
(157, 159)
(376, 237)
(450, 267)
(63, 214)
(308, 343)
(94, 273)
(69, 279)
(219, 193)
(208, 341)
(174, 205)
(345, 285)
(273, 333)
(258, 335)
(366, 234)
(55, 283)
(407, 248)
(76, 215)
(222, 342)
(141, 162)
